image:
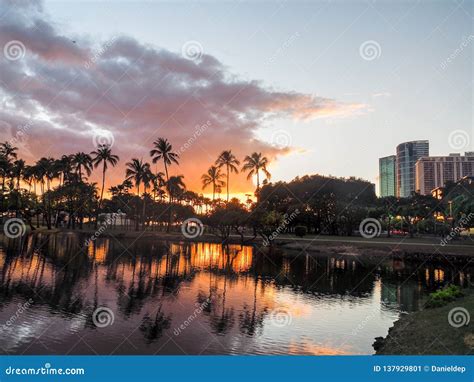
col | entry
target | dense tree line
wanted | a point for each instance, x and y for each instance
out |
(56, 193)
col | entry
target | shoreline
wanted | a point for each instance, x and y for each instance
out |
(428, 332)
(350, 245)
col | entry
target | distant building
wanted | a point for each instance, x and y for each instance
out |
(407, 155)
(431, 173)
(387, 175)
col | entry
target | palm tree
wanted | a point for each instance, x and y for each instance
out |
(136, 171)
(213, 176)
(18, 171)
(65, 167)
(228, 160)
(158, 182)
(82, 161)
(175, 186)
(7, 150)
(163, 150)
(254, 164)
(104, 155)
(147, 179)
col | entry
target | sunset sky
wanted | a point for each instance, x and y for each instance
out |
(318, 87)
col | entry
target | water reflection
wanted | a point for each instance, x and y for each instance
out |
(202, 298)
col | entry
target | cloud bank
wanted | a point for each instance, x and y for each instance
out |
(62, 91)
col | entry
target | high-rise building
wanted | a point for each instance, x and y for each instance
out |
(387, 172)
(407, 155)
(434, 172)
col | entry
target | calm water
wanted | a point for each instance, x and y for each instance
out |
(201, 298)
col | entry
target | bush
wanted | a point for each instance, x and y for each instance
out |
(443, 296)
(300, 230)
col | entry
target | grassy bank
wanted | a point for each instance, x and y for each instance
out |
(429, 331)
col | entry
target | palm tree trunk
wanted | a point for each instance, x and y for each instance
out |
(138, 206)
(227, 182)
(103, 184)
(169, 198)
(143, 213)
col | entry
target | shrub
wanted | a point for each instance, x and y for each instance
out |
(443, 296)
(300, 230)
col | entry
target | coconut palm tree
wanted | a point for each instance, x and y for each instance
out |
(147, 179)
(255, 163)
(65, 167)
(230, 162)
(7, 150)
(213, 176)
(163, 150)
(158, 182)
(18, 171)
(175, 186)
(104, 155)
(136, 171)
(82, 161)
